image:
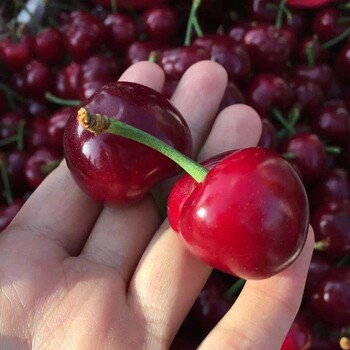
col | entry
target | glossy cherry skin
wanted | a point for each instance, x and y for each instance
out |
(320, 74)
(326, 23)
(233, 95)
(267, 91)
(56, 126)
(268, 48)
(237, 32)
(299, 335)
(161, 23)
(66, 82)
(233, 219)
(39, 165)
(49, 45)
(330, 301)
(261, 11)
(8, 212)
(111, 168)
(121, 31)
(331, 223)
(176, 61)
(342, 64)
(37, 78)
(95, 72)
(16, 55)
(335, 185)
(309, 155)
(9, 123)
(268, 138)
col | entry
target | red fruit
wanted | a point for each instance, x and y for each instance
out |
(16, 55)
(49, 45)
(342, 65)
(308, 3)
(237, 32)
(320, 74)
(3, 103)
(233, 95)
(268, 138)
(8, 212)
(114, 169)
(310, 46)
(66, 83)
(126, 4)
(262, 11)
(233, 220)
(37, 108)
(38, 136)
(9, 124)
(15, 162)
(299, 335)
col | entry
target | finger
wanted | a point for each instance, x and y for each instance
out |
(58, 211)
(168, 278)
(265, 310)
(119, 236)
(198, 96)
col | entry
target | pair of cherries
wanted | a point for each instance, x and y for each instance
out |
(245, 212)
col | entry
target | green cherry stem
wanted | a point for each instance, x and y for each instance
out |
(193, 22)
(234, 289)
(97, 123)
(20, 133)
(278, 115)
(8, 141)
(153, 56)
(60, 101)
(336, 40)
(332, 149)
(114, 6)
(310, 51)
(6, 183)
(280, 12)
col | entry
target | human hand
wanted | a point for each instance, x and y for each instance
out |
(76, 275)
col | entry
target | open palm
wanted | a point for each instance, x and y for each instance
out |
(77, 275)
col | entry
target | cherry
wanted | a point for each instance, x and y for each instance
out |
(3, 103)
(15, 161)
(121, 31)
(331, 223)
(267, 91)
(311, 46)
(262, 10)
(232, 95)
(335, 185)
(108, 167)
(16, 55)
(140, 51)
(37, 78)
(161, 23)
(299, 335)
(56, 126)
(95, 72)
(268, 138)
(84, 35)
(39, 165)
(37, 108)
(268, 48)
(38, 136)
(211, 217)
(127, 4)
(66, 83)
(49, 45)
(307, 155)
(326, 23)
(9, 124)
(8, 212)
(182, 343)
(16, 83)
(320, 74)
(330, 301)
(342, 64)
(169, 87)
(332, 121)
(237, 32)
(176, 61)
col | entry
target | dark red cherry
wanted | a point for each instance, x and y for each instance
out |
(268, 138)
(309, 46)
(141, 50)
(95, 72)
(308, 155)
(39, 165)
(335, 185)
(268, 48)
(121, 31)
(15, 161)
(3, 103)
(8, 212)
(262, 10)
(66, 82)
(332, 121)
(16, 83)
(37, 78)
(161, 22)
(133, 4)
(268, 91)
(330, 301)
(237, 32)
(182, 343)
(16, 55)
(37, 108)
(169, 87)
(84, 36)
(320, 74)
(342, 64)
(176, 61)
(9, 124)
(326, 23)
(56, 126)
(114, 169)
(37, 136)
(299, 335)
(331, 223)
(49, 45)
(233, 95)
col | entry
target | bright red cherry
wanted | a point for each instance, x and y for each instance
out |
(233, 220)
(114, 169)
(299, 335)
(16, 55)
(49, 45)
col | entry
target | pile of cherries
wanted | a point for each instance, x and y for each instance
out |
(290, 60)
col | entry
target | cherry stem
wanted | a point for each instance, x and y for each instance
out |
(278, 115)
(321, 245)
(6, 183)
(344, 343)
(48, 167)
(337, 39)
(114, 6)
(20, 133)
(8, 141)
(288, 155)
(97, 123)
(153, 56)
(234, 289)
(193, 22)
(60, 101)
(11, 96)
(280, 12)
(333, 149)
(310, 51)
